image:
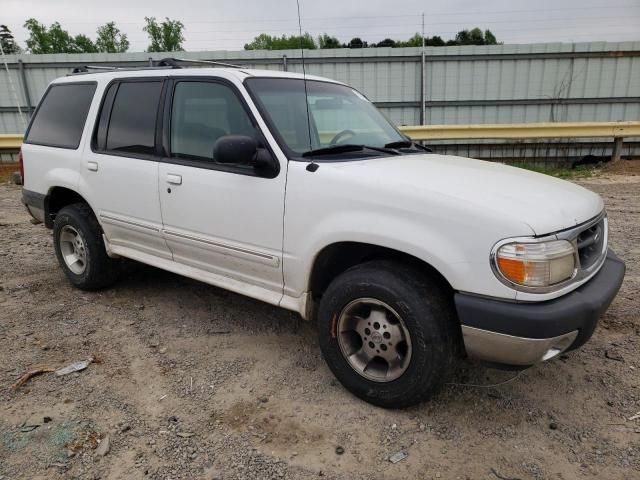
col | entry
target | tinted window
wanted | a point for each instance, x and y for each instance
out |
(100, 139)
(203, 112)
(61, 115)
(132, 127)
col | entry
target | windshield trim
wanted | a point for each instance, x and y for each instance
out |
(298, 156)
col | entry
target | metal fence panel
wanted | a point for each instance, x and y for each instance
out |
(595, 81)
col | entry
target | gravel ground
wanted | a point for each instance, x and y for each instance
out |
(190, 381)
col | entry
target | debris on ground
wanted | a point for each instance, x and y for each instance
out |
(103, 447)
(634, 417)
(613, 355)
(339, 450)
(74, 367)
(398, 456)
(28, 428)
(29, 375)
(502, 477)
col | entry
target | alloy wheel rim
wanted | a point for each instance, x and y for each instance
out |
(73, 249)
(374, 340)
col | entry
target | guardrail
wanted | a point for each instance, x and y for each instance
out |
(524, 130)
(10, 141)
(615, 130)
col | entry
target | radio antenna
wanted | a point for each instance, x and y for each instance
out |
(312, 166)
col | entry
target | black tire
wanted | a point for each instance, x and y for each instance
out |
(428, 314)
(100, 270)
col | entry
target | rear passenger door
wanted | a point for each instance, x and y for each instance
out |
(120, 169)
(220, 218)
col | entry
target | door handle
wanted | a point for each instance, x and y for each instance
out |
(92, 166)
(174, 179)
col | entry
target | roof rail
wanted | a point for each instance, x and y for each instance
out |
(206, 62)
(165, 63)
(89, 69)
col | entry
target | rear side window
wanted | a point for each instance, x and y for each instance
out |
(60, 118)
(132, 125)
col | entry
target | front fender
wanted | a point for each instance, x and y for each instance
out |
(454, 236)
(432, 246)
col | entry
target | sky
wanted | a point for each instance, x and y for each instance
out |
(229, 24)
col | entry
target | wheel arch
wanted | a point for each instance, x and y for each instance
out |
(337, 257)
(56, 199)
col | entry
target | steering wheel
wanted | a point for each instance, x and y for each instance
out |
(341, 134)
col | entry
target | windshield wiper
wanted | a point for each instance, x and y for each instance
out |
(407, 144)
(347, 147)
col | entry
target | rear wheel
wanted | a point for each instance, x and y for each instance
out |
(77, 239)
(388, 333)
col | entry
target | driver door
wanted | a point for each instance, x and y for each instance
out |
(225, 220)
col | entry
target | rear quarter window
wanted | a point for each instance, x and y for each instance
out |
(61, 115)
(132, 125)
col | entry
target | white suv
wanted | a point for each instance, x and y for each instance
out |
(301, 194)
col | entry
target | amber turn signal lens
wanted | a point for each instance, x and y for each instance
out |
(513, 270)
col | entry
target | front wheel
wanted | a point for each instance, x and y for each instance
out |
(388, 333)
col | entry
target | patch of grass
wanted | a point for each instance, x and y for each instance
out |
(581, 171)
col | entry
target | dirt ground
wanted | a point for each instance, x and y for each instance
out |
(190, 381)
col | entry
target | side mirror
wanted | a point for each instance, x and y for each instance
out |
(235, 150)
(244, 150)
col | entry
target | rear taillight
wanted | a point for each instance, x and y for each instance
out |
(21, 163)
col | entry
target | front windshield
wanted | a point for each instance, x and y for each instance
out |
(339, 114)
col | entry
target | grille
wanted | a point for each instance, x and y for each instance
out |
(590, 244)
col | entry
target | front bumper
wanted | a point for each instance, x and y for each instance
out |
(520, 334)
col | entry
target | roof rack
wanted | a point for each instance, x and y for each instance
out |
(165, 63)
(206, 62)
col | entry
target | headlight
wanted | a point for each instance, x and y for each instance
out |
(541, 264)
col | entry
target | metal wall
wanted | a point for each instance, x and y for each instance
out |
(597, 81)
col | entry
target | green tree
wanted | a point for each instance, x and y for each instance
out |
(357, 42)
(387, 42)
(82, 44)
(59, 39)
(39, 40)
(463, 37)
(435, 41)
(111, 40)
(489, 38)
(260, 42)
(415, 41)
(9, 45)
(327, 41)
(293, 42)
(55, 39)
(164, 37)
(474, 37)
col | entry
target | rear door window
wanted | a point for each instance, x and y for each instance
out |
(132, 125)
(60, 118)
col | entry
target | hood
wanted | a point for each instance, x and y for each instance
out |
(546, 204)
